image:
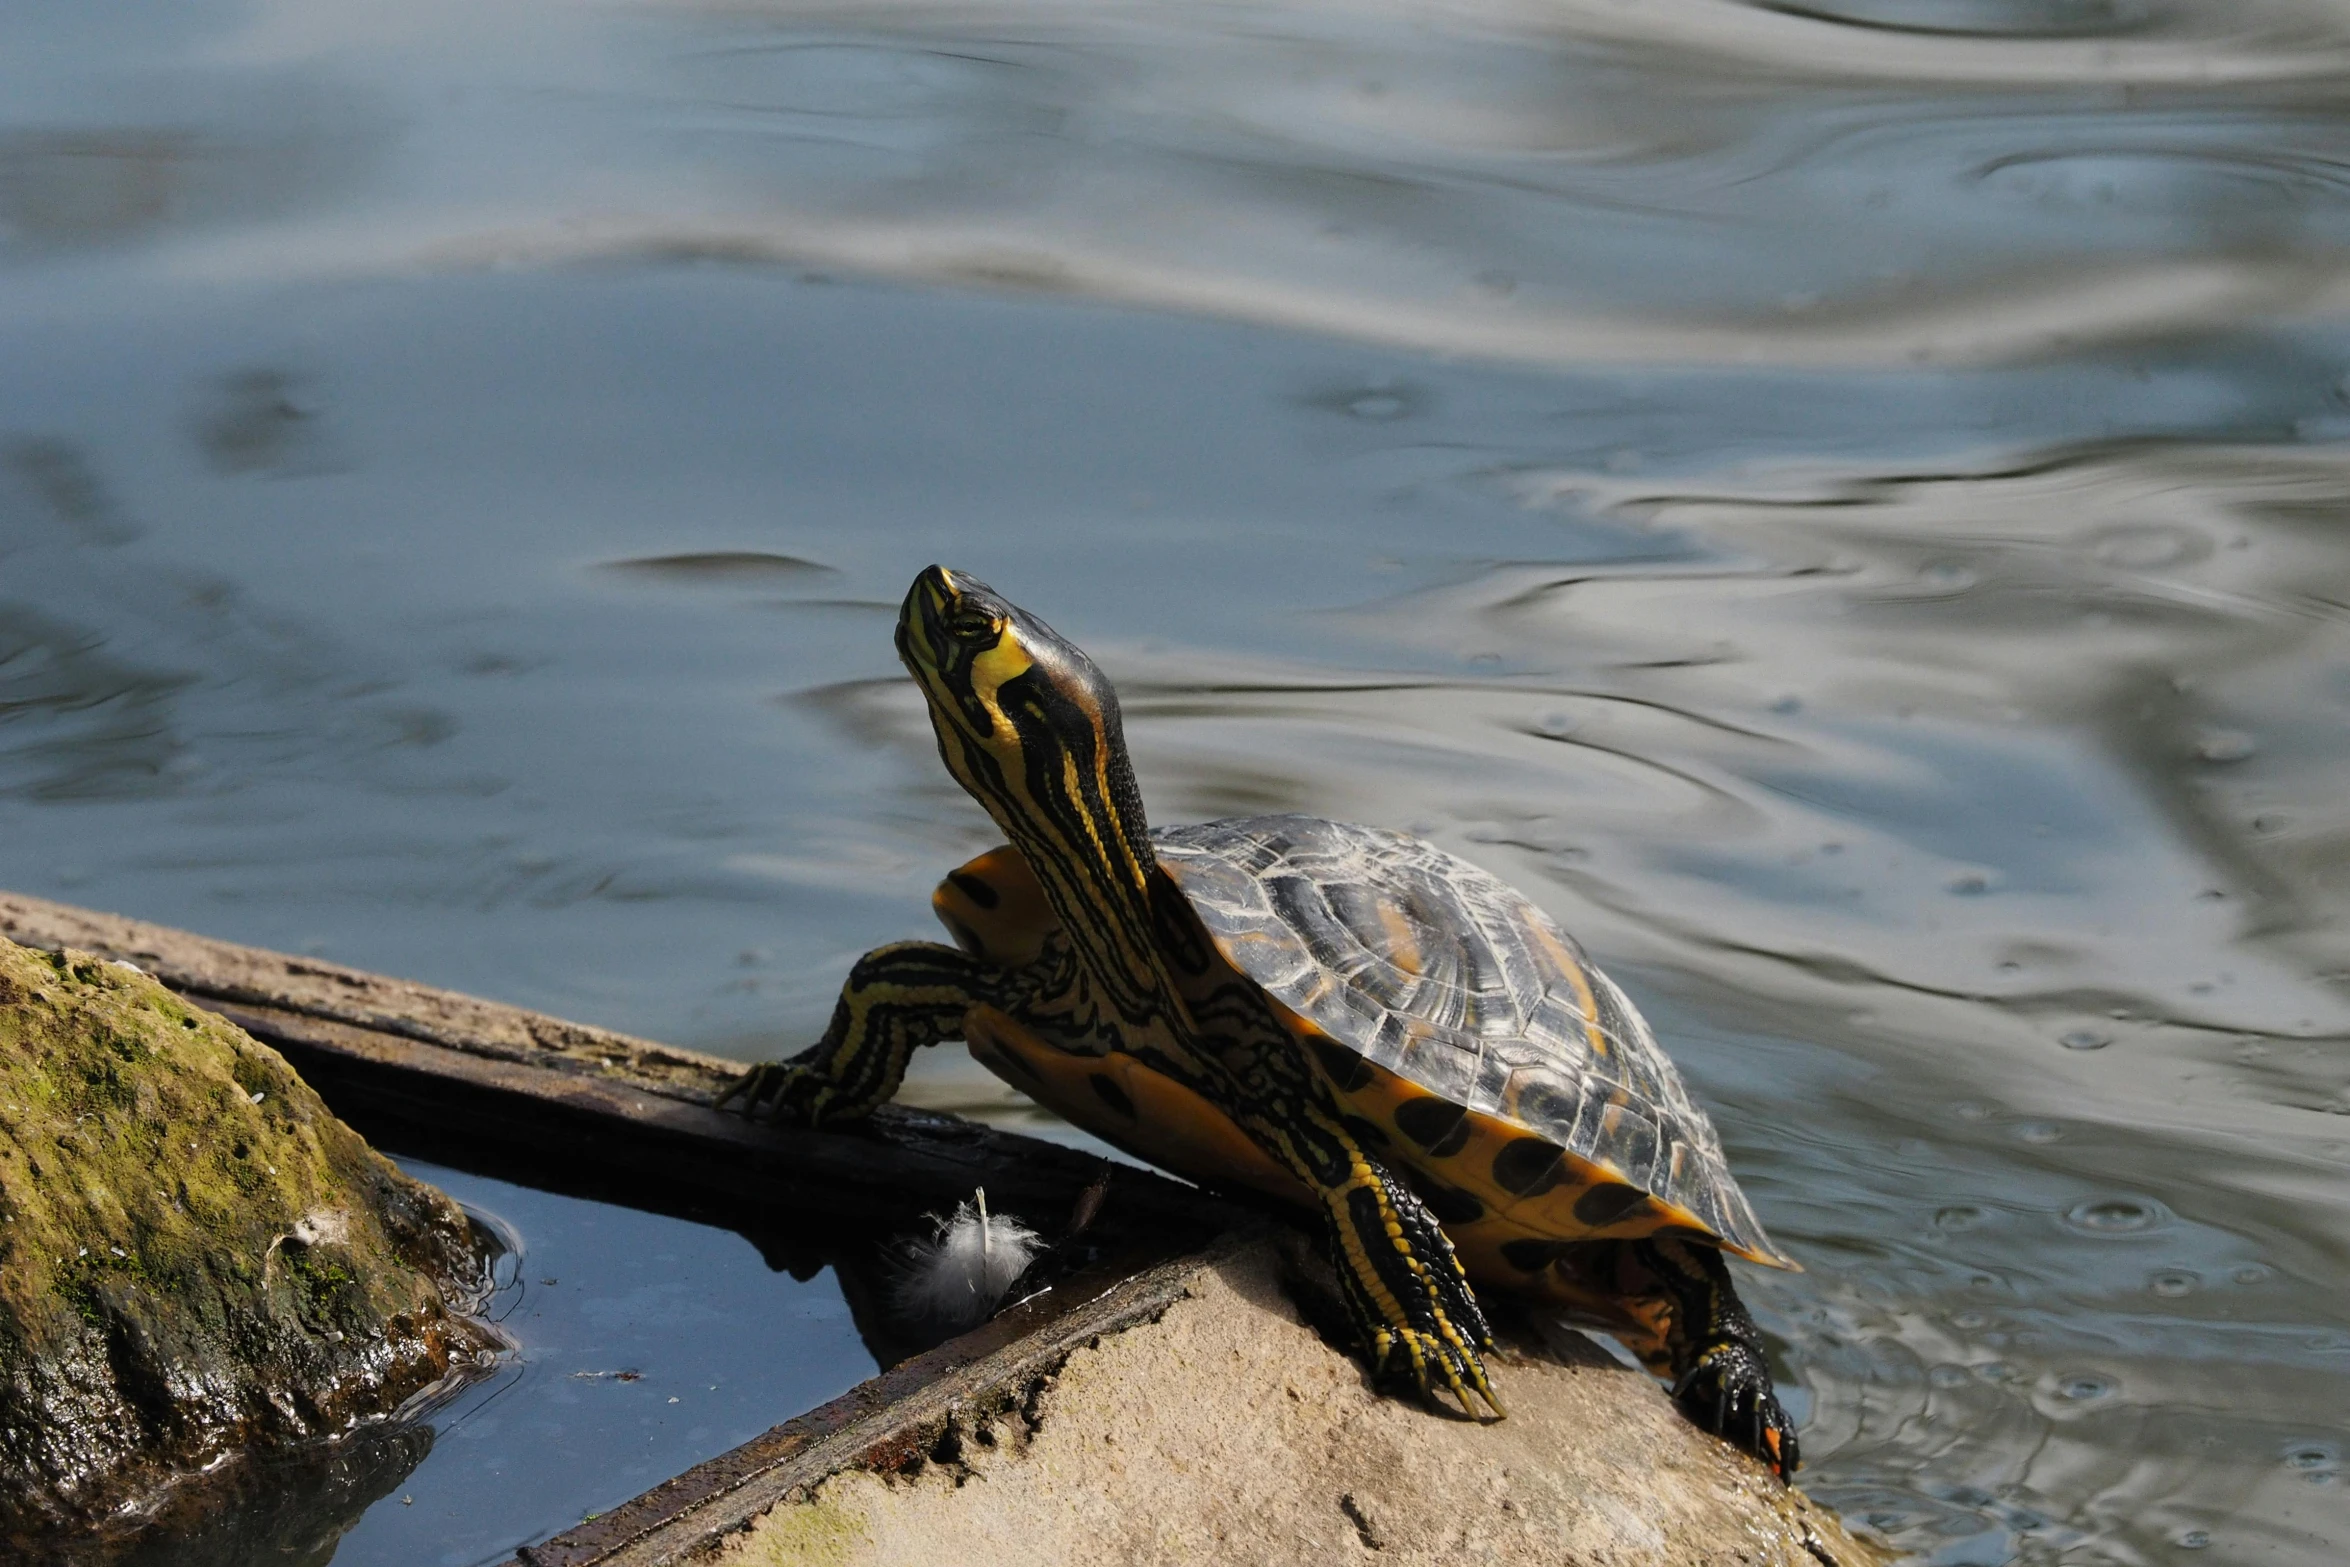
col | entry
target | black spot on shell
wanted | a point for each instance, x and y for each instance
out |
(1531, 1256)
(1342, 1066)
(1438, 1125)
(1450, 1204)
(1529, 1166)
(1368, 1133)
(1608, 1202)
(1111, 1094)
(972, 887)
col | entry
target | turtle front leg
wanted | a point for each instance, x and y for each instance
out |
(1720, 1378)
(1410, 1302)
(898, 998)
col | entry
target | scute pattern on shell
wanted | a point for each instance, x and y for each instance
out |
(1448, 976)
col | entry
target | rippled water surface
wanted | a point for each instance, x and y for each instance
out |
(1845, 502)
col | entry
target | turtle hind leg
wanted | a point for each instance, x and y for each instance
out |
(1404, 1291)
(1715, 1353)
(1670, 1302)
(898, 999)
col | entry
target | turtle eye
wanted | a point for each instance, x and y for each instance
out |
(973, 626)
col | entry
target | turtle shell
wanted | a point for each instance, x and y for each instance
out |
(1452, 980)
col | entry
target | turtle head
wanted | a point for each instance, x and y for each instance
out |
(1029, 725)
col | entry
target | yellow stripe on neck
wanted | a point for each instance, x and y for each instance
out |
(1006, 661)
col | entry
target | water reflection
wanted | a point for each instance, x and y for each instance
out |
(293, 1511)
(639, 1350)
(1839, 499)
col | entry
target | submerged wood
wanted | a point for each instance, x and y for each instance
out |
(196, 1257)
(1168, 1403)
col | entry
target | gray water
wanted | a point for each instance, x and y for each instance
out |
(642, 1344)
(1844, 502)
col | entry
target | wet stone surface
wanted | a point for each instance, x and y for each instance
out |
(196, 1257)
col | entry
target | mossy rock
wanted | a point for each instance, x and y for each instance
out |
(196, 1257)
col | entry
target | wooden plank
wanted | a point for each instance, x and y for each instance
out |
(410, 1093)
(399, 1008)
(453, 1067)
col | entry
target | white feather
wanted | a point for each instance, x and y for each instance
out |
(955, 1278)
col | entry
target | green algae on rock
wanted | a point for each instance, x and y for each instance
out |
(196, 1256)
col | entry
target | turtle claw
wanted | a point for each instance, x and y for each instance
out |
(1728, 1392)
(1417, 1320)
(1433, 1366)
(787, 1093)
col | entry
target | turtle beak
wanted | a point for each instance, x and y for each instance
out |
(948, 621)
(920, 635)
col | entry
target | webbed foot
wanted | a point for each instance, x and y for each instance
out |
(1728, 1392)
(1720, 1379)
(788, 1093)
(898, 999)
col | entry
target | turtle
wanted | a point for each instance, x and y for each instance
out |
(1398, 1044)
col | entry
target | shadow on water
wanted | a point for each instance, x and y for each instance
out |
(1843, 501)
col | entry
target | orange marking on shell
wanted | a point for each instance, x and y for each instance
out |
(1014, 931)
(1572, 968)
(1403, 947)
(1593, 1034)
(1172, 1126)
(1550, 1215)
